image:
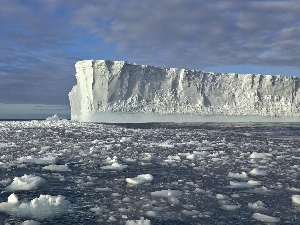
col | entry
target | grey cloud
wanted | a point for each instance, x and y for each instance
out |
(206, 33)
(42, 39)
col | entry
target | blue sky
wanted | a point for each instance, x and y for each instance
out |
(42, 39)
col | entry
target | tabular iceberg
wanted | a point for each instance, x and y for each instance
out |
(111, 91)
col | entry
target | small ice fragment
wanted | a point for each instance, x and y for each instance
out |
(167, 193)
(221, 197)
(171, 159)
(230, 207)
(57, 168)
(143, 178)
(258, 172)
(30, 222)
(257, 155)
(296, 199)
(13, 199)
(115, 166)
(259, 205)
(293, 189)
(239, 184)
(103, 189)
(5, 181)
(142, 221)
(265, 218)
(151, 213)
(40, 160)
(26, 182)
(254, 182)
(242, 175)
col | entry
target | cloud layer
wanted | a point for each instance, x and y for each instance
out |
(42, 39)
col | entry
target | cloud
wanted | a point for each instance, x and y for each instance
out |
(198, 33)
(42, 39)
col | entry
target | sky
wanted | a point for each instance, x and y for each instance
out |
(41, 40)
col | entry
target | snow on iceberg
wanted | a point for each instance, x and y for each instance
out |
(26, 182)
(122, 92)
(43, 207)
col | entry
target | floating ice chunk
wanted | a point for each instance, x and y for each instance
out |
(258, 172)
(265, 218)
(30, 222)
(111, 160)
(103, 189)
(148, 157)
(165, 145)
(171, 159)
(254, 182)
(142, 221)
(259, 205)
(57, 168)
(151, 213)
(242, 175)
(5, 181)
(257, 155)
(235, 184)
(40, 160)
(6, 157)
(115, 166)
(53, 118)
(296, 199)
(167, 193)
(26, 182)
(230, 207)
(221, 197)
(125, 139)
(13, 199)
(288, 188)
(261, 190)
(143, 178)
(7, 145)
(46, 206)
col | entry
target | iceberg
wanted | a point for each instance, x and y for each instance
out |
(120, 91)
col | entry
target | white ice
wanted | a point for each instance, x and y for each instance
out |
(296, 199)
(26, 182)
(40, 160)
(265, 218)
(57, 168)
(114, 166)
(141, 221)
(140, 179)
(167, 193)
(43, 207)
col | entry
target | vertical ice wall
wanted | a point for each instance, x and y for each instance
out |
(118, 86)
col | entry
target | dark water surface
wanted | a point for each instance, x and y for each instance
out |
(196, 159)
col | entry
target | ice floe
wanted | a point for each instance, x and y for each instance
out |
(265, 218)
(26, 182)
(45, 206)
(140, 179)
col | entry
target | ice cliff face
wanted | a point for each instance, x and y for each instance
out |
(118, 86)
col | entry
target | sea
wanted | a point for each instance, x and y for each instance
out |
(149, 173)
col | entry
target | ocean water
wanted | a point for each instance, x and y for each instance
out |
(203, 173)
